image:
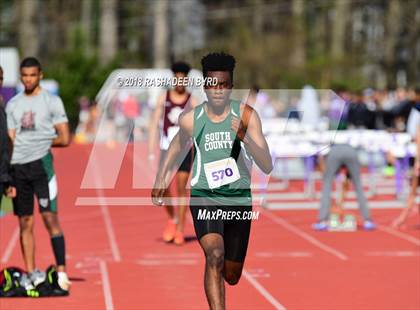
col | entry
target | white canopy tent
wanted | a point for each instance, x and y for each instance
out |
(9, 61)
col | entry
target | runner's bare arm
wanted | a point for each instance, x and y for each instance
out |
(12, 134)
(63, 135)
(193, 102)
(177, 144)
(154, 124)
(250, 132)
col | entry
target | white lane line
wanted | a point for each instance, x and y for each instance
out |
(111, 234)
(295, 254)
(304, 235)
(10, 246)
(106, 285)
(399, 234)
(261, 289)
(107, 219)
(393, 253)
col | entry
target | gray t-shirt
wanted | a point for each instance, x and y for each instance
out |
(34, 118)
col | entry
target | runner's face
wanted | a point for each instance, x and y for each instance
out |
(30, 77)
(219, 94)
(179, 88)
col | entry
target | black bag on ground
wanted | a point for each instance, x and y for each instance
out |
(10, 283)
(50, 287)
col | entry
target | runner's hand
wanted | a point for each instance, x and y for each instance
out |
(238, 127)
(158, 191)
(10, 192)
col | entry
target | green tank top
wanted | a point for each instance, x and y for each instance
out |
(221, 170)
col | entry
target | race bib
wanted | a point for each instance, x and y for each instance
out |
(221, 172)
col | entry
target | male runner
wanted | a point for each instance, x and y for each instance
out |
(37, 120)
(220, 128)
(169, 106)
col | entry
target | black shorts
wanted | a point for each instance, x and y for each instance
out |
(35, 178)
(186, 164)
(235, 231)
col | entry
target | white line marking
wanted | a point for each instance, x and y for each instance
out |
(111, 234)
(109, 305)
(282, 254)
(107, 219)
(263, 291)
(393, 253)
(304, 235)
(10, 246)
(399, 234)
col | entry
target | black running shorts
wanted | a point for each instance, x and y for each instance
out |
(235, 231)
(35, 178)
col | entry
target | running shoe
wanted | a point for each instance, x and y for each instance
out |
(320, 226)
(179, 238)
(369, 225)
(37, 277)
(169, 232)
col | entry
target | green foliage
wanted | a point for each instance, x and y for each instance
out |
(6, 205)
(78, 74)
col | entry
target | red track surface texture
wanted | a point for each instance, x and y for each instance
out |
(117, 260)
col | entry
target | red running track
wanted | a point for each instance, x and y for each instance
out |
(117, 260)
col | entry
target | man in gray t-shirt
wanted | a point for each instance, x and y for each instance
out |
(33, 118)
(36, 122)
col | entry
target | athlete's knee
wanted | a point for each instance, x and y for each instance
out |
(26, 223)
(215, 257)
(51, 223)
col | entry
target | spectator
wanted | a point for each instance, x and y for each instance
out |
(342, 155)
(360, 117)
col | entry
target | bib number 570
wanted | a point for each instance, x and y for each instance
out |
(220, 174)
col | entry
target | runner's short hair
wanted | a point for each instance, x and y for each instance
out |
(30, 62)
(180, 67)
(218, 61)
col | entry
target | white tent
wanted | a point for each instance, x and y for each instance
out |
(9, 61)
